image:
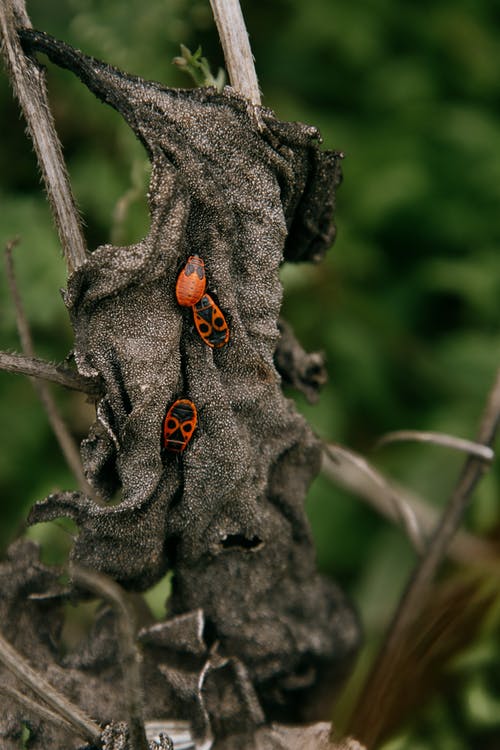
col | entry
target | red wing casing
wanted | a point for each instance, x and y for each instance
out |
(179, 425)
(210, 322)
(191, 282)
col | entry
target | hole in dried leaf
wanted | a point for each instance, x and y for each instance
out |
(240, 540)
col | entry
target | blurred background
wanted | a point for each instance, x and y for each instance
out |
(405, 306)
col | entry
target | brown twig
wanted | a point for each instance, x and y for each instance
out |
(28, 82)
(378, 690)
(38, 368)
(237, 52)
(104, 587)
(15, 663)
(66, 442)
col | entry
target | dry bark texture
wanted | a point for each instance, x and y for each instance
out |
(252, 628)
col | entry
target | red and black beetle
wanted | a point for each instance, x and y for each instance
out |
(179, 424)
(191, 282)
(210, 322)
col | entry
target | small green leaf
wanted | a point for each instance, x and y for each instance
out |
(198, 68)
(25, 736)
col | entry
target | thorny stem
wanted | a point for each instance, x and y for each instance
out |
(66, 442)
(38, 368)
(377, 690)
(28, 82)
(237, 52)
(104, 587)
(15, 663)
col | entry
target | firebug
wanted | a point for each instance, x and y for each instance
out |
(191, 282)
(210, 322)
(179, 425)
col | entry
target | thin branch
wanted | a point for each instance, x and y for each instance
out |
(39, 368)
(37, 709)
(15, 663)
(438, 438)
(104, 587)
(28, 82)
(65, 440)
(400, 509)
(394, 502)
(237, 52)
(378, 689)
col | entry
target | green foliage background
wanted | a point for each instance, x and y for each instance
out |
(406, 305)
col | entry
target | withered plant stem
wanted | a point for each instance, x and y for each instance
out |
(28, 82)
(130, 657)
(37, 709)
(398, 504)
(236, 46)
(66, 443)
(437, 438)
(39, 368)
(15, 663)
(378, 689)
